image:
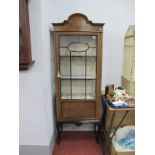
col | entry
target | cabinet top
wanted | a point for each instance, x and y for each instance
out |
(78, 22)
(130, 32)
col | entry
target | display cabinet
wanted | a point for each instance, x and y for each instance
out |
(128, 77)
(78, 55)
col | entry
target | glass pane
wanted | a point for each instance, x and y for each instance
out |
(21, 50)
(78, 67)
(91, 67)
(77, 53)
(65, 66)
(91, 52)
(64, 52)
(78, 89)
(78, 47)
(66, 40)
(90, 89)
(90, 40)
(65, 89)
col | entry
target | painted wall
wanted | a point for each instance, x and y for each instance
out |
(37, 86)
(117, 15)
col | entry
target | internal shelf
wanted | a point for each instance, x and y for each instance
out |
(77, 56)
(82, 97)
(78, 78)
(67, 47)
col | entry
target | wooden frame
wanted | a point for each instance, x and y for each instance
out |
(25, 60)
(78, 110)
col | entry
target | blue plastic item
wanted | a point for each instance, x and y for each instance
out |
(123, 106)
(129, 141)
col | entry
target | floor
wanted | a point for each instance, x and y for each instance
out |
(78, 143)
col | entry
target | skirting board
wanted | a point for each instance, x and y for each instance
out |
(38, 149)
(34, 150)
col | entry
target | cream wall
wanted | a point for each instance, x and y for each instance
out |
(117, 14)
(37, 86)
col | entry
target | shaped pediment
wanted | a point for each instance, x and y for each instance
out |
(78, 22)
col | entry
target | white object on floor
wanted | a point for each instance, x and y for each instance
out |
(123, 132)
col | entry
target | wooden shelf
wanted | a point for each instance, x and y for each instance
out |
(67, 47)
(78, 56)
(78, 78)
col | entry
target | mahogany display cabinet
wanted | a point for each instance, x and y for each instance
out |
(78, 59)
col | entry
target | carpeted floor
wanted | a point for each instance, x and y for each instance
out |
(78, 143)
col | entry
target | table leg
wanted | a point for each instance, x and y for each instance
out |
(111, 123)
(120, 123)
(107, 133)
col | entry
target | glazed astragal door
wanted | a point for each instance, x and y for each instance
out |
(77, 63)
(78, 51)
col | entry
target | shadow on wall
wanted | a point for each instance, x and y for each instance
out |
(53, 86)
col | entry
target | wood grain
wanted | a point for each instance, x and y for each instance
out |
(78, 24)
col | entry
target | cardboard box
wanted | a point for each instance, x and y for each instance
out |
(129, 86)
(116, 152)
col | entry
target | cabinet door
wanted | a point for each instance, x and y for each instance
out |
(77, 56)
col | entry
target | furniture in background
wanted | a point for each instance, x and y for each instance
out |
(25, 58)
(117, 150)
(115, 118)
(78, 59)
(128, 77)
